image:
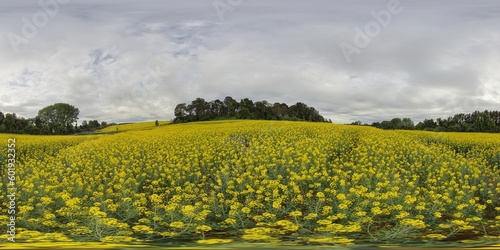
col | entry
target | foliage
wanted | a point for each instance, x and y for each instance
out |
(486, 121)
(200, 110)
(258, 181)
(57, 119)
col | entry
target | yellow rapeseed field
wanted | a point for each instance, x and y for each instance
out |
(217, 182)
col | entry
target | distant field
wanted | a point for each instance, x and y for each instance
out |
(256, 181)
(132, 127)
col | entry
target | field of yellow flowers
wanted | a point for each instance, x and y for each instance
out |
(255, 181)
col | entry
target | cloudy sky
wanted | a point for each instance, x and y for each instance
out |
(132, 60)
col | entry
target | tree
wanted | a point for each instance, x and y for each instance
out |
(59, 117)
(2, 117)
(38, 122)
(84, 125)
(278, 111)
(215, 108)
(157, 123)
(495, 117)
(94, 124)
(201, 109)
(429, 123)
(484, 123)
(408, 124)
(248, 105)
(243, 113)
(22, 125)
(9, 123)
(386, 125)
(231, 105)
(263, 110)
(396, 123)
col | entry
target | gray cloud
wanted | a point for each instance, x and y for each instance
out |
(129, 60)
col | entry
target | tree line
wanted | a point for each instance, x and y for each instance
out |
(57, 119)
(229, 108)
(485, 121)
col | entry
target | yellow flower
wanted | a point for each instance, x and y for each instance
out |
(214, 241)
(361, 213)
(414, 223)
(95, 211)
(143, 229)
(177, 224)
(311, 216)
(402, 215)
(268, 215)
(188, 210)
(246, 210)
(49, 216)
(435, 236)
(46, 200)
(343, 206)
(295, 213)
(230, 221)
(324, 222)
(341, 196)
(203, 228)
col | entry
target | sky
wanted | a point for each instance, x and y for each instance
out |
(353, 60)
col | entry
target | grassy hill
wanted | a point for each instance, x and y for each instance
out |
(132, 127)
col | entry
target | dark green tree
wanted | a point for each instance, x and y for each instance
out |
(9, 123)
(94, 124)
(408, 124)
(484, 123)
(248, 104)
(201, 109)
(84, 125)
(263, 110)
(396, 123)
(180, 112)
(278, 111)
(216, 108)
(231, 106)
(243, 113)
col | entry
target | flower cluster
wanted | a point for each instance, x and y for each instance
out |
(263, 180)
